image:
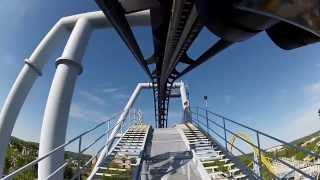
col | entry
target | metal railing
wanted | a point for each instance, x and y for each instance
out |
(108, 125)
(222, 129)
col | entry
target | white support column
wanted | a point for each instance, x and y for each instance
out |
(56, 114)
(12, 106)
(184, 96)
(34, 65)
(23, 84)
(185, 102)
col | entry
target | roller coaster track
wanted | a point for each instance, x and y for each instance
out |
(264, 159)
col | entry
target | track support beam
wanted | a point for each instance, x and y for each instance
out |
(55, 120)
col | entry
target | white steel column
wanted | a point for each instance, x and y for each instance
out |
(23, 84)
(38, 59)
(12, 107)
(184, 96)
(185, 102)
(56, 114)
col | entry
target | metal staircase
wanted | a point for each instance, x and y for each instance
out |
(202, 147)
(124, 158)
(215, 162)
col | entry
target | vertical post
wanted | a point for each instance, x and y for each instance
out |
(115, 129)
(129, 114)
(225, 133)
(23, 84)
(79, 156)
(198, 116)
(207, 118)
(55, 120)
(189, 171)
(185, 103)
(259, 151)
(12, 106)
(108, 128)
(108, 133)
(121, 126)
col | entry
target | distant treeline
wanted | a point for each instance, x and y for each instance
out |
(22, 152)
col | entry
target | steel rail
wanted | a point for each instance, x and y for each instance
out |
(266, 135)
(190, 32)
(34, 162)
(85, 166)
(179, 28)
(239, 150)
(78, 172)
(239, 137)
(250, 143)
(58, 170)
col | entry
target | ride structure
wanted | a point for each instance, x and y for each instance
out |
(175, 26)
(264, 159)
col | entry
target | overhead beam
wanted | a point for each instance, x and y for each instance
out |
(116, 15)
(212, 51)
(131, 6)
(168, 23)
(160, 17)
(182, 32)
(189, 34)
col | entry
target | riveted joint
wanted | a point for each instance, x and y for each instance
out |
(33, 67)
(69, 62)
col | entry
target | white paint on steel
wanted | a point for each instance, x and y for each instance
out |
(124, 114)
(185, 102)
(122, 117)
(12, 106)
(36, 62)
(59, 100)
(184, 96)
(56, 114)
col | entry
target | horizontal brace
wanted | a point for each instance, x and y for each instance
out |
(114, 11)
(186, 60)
(212, 51)
(131, 6)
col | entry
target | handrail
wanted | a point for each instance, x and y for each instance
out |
(85, 166)
(221, 137)
(205, 116)
(61, 147)
(253, 145)
(260, 132)
(66, 163)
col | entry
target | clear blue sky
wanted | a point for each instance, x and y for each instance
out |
(253, 82)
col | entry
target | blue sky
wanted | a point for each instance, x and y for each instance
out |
(253, 82)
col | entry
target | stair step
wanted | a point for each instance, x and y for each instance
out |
(211, 151)
(208, 151)
(234, 170)
(240, 176)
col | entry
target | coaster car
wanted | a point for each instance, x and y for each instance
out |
(289, 23)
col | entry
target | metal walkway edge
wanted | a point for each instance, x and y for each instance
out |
(125, 157)
(169, 157)
(214, 161)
